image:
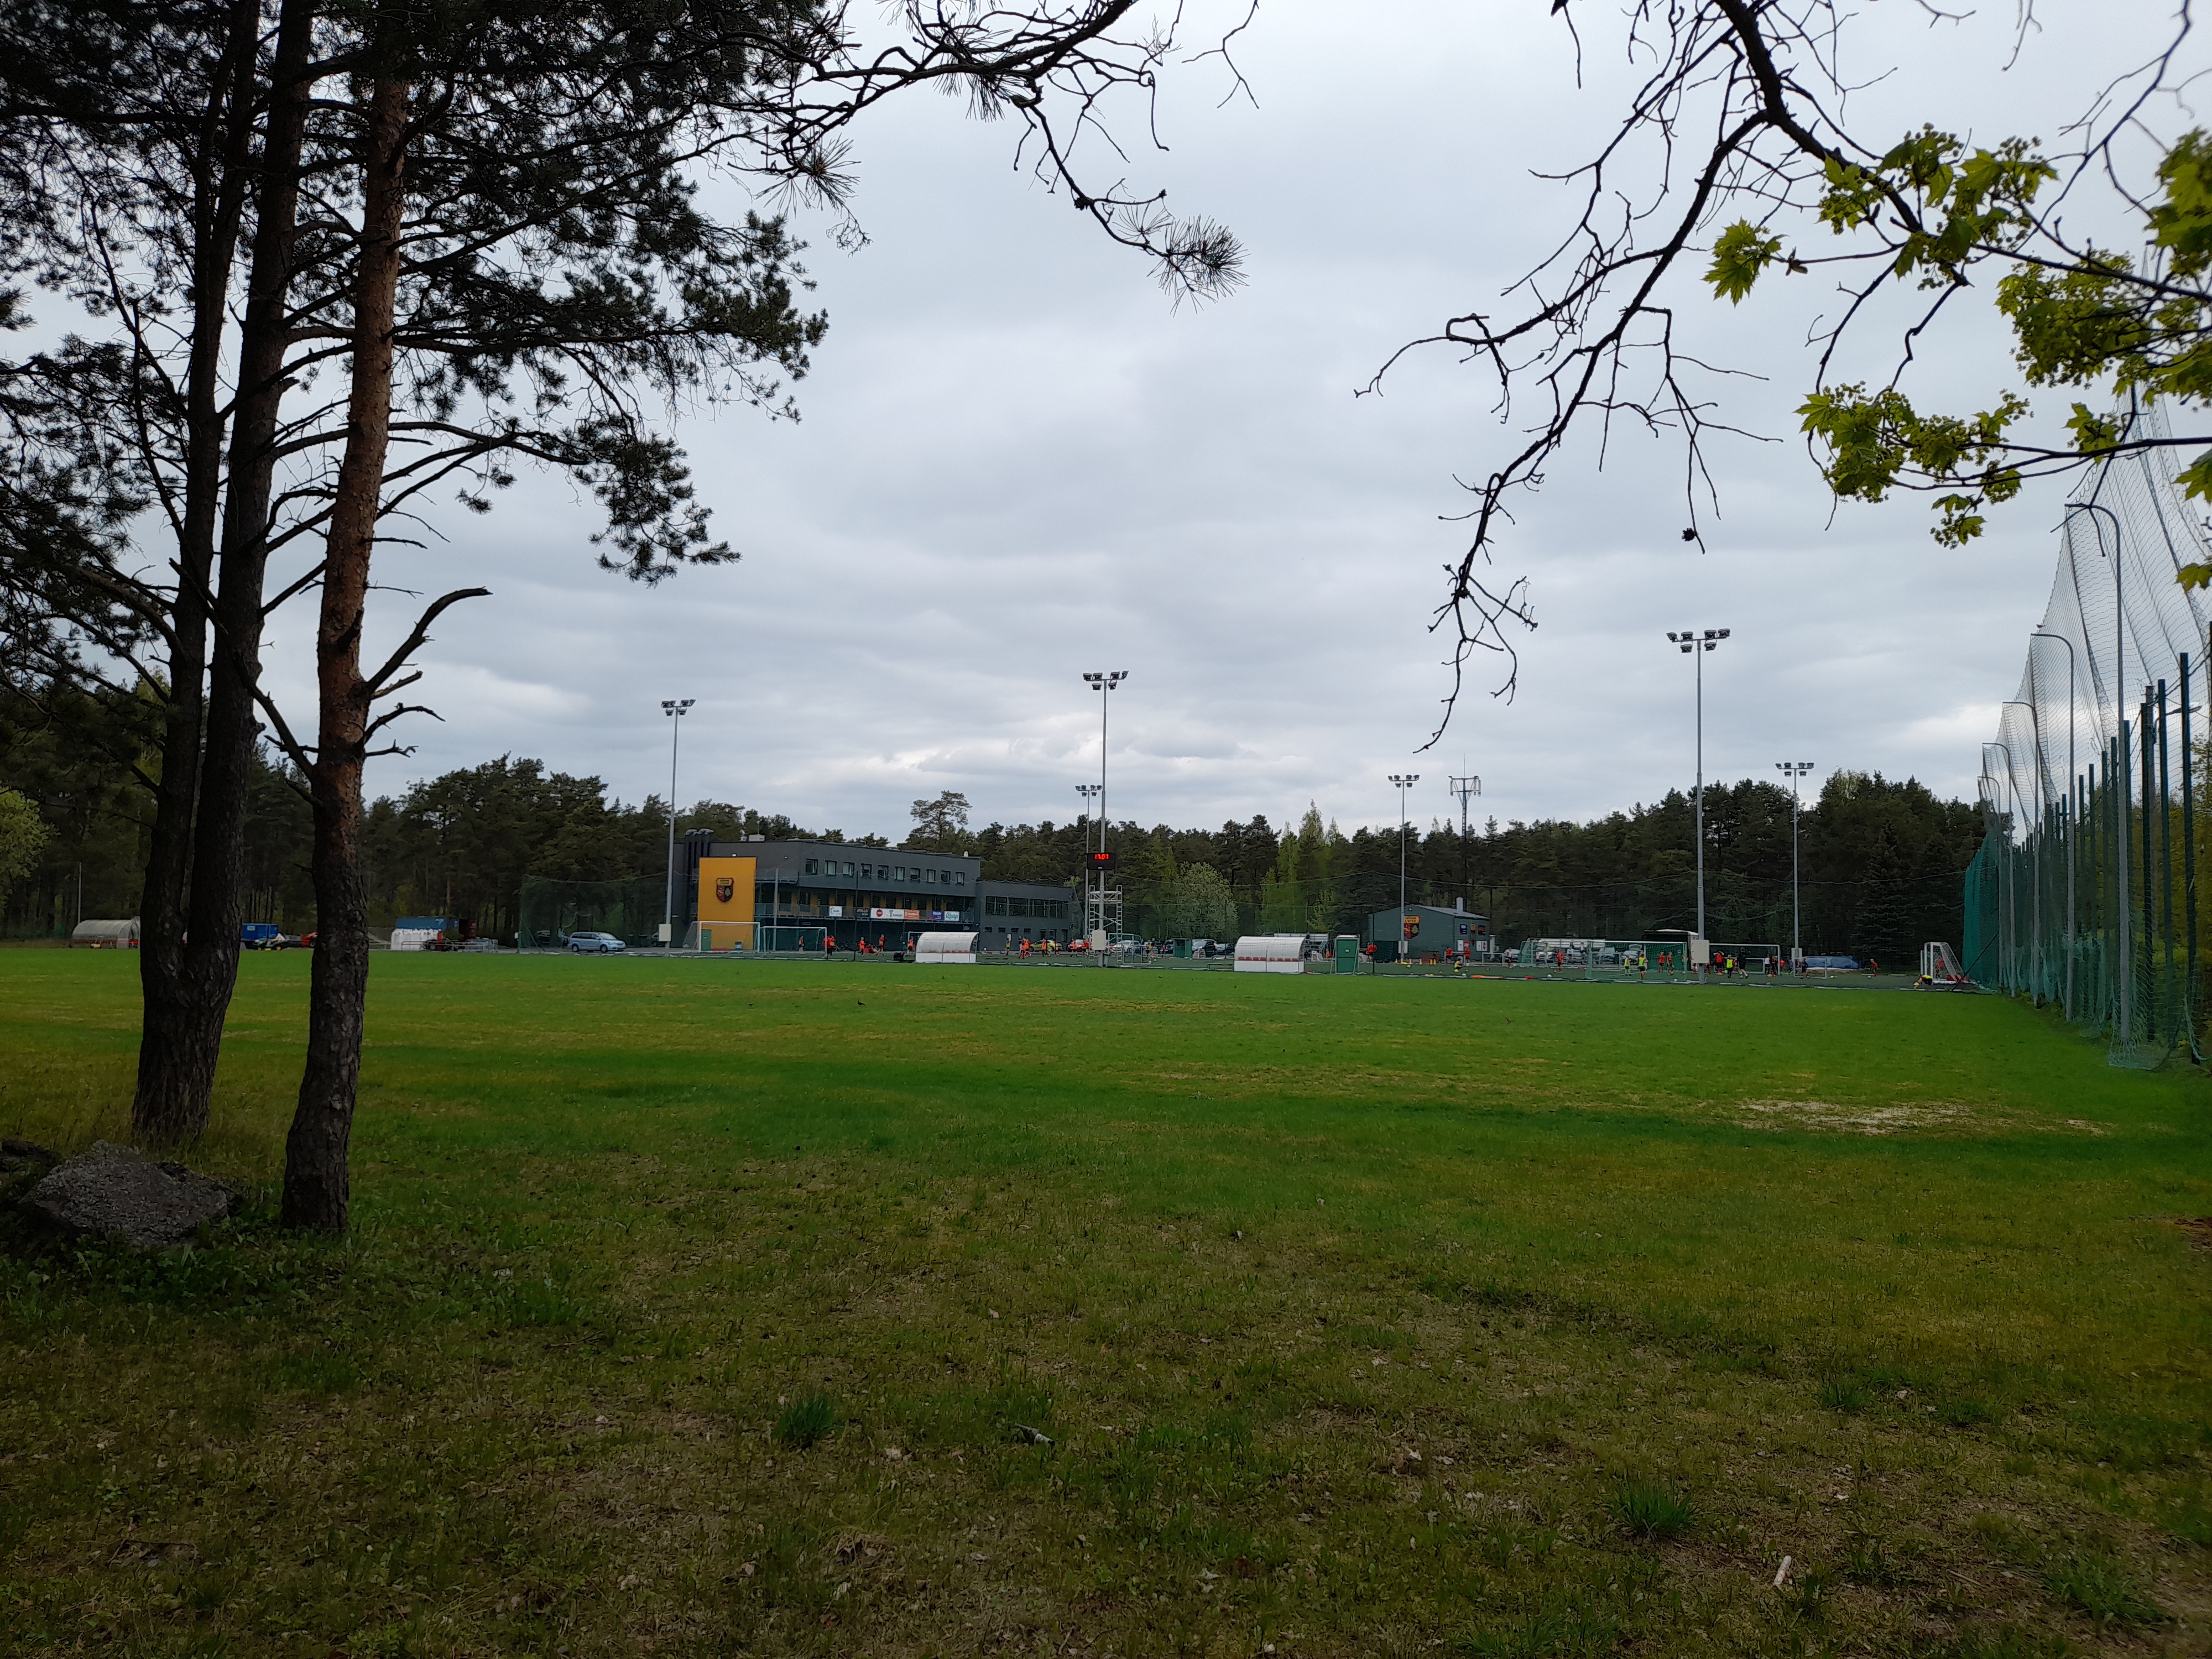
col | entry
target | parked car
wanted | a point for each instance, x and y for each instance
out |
(600, 943)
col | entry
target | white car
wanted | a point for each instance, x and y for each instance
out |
(601, 942)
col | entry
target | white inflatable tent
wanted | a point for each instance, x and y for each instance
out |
(1271, 953)
(945, 947)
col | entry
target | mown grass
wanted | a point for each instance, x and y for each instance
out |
(698, 1307)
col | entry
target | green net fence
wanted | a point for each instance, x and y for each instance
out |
(2083, 896)
(551, 910)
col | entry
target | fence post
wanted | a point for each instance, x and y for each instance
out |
(2165, 858)
(2144, 740)
(2189, 870)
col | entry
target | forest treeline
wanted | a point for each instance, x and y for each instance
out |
(1882, 860)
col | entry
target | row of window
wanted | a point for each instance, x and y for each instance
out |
(815, 900)
(919, 875)
(1052, 909)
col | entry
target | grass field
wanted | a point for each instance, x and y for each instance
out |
(703, 1308)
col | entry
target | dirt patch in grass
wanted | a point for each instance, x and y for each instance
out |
(1903, 1117)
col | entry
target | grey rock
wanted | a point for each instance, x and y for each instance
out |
(111, 1192)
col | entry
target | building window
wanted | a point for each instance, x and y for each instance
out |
(848, 869)
(929, 877)
(811, 866)
(867, 872)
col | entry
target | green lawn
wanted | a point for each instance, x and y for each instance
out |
(696, 1307)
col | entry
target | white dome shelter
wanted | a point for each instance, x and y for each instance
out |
(945, 947)
(1271, 953)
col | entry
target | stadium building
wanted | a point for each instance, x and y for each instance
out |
(886, 896)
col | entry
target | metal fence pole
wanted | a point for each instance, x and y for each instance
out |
(2166, 862)
(2142, 740)
(2189, 870)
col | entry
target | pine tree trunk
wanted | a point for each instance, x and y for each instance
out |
(176, 1052)
(190, 913)
(317, 1189)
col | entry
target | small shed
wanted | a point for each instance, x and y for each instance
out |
(945, 947)
(106, 935)
(1424, 930)
(1272, 953)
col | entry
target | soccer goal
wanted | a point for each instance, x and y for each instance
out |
(1607, 958)
(789, 937)
(1940, 970)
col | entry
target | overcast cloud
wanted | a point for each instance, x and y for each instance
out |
(1018, 461)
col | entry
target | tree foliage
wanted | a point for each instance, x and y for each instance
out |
(1734, 159)
(22, 837)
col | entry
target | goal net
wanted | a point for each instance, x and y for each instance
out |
(788, 937)
(551, 910)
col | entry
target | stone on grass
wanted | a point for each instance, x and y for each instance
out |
(111, 1192)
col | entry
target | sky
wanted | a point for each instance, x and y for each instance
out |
(1017, 460)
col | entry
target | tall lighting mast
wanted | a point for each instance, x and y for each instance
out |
(1693, 643)
(1405, 780)
(1089, 791)
(676, 711)
(1794, 770)
(1102, 684)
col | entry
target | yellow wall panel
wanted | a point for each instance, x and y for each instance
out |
(731, 919)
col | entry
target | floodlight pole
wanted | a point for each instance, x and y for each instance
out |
(1102, 683)
(2034, 846)
(1794, 770)
(2073, 829)
(2126, 974)
(1405, 780)
(677, 711)
(1090, 792)
(2012, 903)
(1695, 645)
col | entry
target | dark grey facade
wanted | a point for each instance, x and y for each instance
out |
(1017, 910)
(882, 894)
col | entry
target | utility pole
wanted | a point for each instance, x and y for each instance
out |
(1102, 684)
(676, 711)
(1695, 644)
(1466, 788)
(1405, 780)
(1794, 770)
